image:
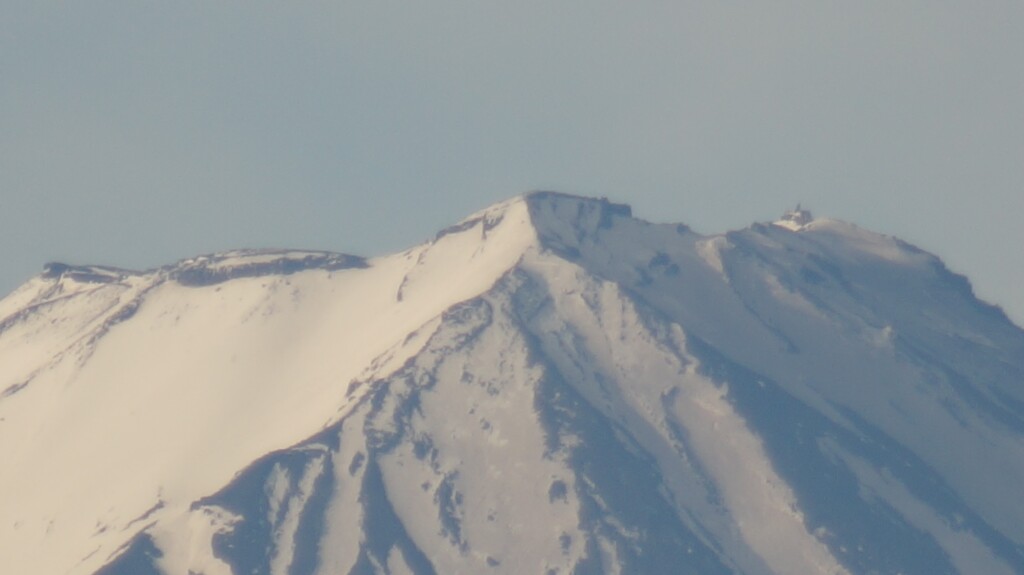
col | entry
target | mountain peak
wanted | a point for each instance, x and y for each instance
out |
(548, 210)
(550, 385)
(541, 197)
(583, 213)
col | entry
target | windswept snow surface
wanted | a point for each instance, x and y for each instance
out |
(549, 386)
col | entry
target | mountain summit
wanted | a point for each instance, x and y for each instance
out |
(549, 386)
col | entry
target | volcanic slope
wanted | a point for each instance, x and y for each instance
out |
(550, 386)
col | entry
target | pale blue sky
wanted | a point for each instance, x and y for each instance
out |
(138, 133)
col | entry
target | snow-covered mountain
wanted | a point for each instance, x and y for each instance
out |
(550, 386)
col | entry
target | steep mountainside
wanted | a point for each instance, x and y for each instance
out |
(550, 386)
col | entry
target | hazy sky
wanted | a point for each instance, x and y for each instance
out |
(138, 133)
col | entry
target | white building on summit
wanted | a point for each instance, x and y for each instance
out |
(795, 219)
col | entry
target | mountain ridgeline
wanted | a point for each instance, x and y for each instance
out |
(550, 386)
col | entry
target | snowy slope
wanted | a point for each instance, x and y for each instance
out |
(550, 386)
